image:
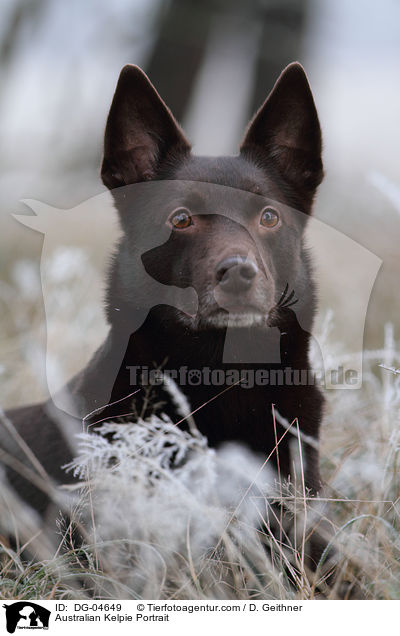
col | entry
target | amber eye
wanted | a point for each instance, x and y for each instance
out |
(181, 219)
(269, 217)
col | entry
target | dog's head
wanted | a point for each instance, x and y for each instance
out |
(233, 225)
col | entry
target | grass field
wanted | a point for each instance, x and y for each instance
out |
(164, 516)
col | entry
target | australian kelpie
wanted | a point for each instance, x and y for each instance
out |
(230, 231)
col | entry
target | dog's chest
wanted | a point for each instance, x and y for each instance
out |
(232, 413)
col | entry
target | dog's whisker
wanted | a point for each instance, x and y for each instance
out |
(292, 303)
(289, 298)
(283, 294)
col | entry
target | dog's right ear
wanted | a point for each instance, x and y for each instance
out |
(141, 132)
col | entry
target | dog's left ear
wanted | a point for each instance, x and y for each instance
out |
(286, 131)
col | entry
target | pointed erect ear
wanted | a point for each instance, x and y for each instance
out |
(140, 133)
(285, 132)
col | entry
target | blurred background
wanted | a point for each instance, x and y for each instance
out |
(214, 63)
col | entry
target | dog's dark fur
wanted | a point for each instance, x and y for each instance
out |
(280, 160)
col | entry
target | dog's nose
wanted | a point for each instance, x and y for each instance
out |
(235, 275)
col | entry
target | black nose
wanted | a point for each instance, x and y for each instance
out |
(235, 275)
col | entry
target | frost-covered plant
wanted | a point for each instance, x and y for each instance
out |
(360, 464)
(170, 505)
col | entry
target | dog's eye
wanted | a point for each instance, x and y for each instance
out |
(269, 217)
(181, 219)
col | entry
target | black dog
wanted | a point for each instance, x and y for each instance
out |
(232, 230)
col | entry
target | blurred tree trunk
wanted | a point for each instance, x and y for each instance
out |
(23, 11)
(283, 23)
(178, 51)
